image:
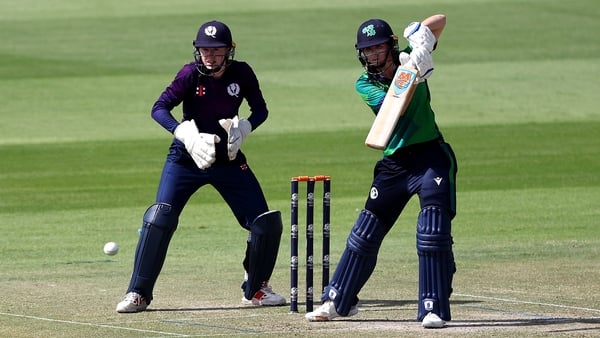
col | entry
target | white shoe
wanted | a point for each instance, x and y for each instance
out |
(327, 312)
(433, 321)
(133, 302)
(265, 297)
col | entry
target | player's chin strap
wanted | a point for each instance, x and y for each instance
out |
(202, 69)
(375, 71)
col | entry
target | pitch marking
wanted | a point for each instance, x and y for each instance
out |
(531, 303)
(90, 324)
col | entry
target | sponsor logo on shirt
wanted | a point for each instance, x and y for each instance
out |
(200, 90)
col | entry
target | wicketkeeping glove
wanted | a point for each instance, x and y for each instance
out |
(419, 35)
(420, 59)
(237, 131)
(200, 146)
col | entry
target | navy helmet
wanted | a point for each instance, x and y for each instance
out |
(213, 34)
(373, 32)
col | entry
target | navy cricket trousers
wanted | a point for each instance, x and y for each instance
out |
(236, 183)
(427, 170)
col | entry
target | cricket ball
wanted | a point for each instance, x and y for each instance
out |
(111, 248)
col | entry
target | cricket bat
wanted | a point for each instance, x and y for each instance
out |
(394, 105)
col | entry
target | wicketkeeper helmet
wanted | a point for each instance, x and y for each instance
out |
(213, 34)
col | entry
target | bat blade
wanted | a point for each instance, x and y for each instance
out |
(393, 107)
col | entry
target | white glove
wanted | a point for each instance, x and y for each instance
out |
(420, 59)
(201, 146)
(237, 131)
(419, 35)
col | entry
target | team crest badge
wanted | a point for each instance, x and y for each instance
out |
(369, 30)
(233, 89)
(374, 193)
(210, 31)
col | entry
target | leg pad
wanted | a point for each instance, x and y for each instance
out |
(436, 262)
(262, 250)
(357, 262)
(158, 226)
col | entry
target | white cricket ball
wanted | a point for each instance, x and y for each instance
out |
(111, 248)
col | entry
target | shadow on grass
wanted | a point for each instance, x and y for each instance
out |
(371, 304)
(381, 305)
(376, 305)
(208, 308)
(385, 303)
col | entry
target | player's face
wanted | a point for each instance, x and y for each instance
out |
(213, 57)
(377, 55)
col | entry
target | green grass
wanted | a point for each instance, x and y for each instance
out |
(514, 91)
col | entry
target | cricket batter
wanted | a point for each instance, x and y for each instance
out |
(416, 161)
(206, 150)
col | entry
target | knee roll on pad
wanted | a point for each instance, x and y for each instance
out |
(160, 215)
(262, 250)
(268, 223)
(436, 262)
(366, 235)
(357, 263)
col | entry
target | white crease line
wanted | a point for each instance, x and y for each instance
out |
(531, 303)
(91, 324)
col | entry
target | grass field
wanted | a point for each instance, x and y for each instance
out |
(515, 92)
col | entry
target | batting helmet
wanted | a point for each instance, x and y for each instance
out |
(373, 32)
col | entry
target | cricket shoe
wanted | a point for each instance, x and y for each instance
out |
(133, 302)
(327, 312)
(433, 321)
(265, 297)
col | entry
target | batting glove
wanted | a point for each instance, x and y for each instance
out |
(419, 35)
(420, 59)
(200, 146)
(237, 131)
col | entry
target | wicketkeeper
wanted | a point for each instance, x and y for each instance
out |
(416, 161)
(206, 150)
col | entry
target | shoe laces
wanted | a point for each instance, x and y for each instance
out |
(266, 288)
(135, 298)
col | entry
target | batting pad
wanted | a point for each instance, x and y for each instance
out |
(265, 235)
(436, 262)
(357, 263)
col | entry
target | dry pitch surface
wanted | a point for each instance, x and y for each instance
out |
(474, 316)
